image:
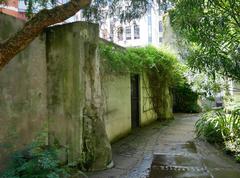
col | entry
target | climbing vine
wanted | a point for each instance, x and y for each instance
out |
(145, 59)
(161, 68)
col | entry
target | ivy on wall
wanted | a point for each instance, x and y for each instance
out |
(119, 60)
(162, 69)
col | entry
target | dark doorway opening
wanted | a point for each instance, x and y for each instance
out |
(135, 100)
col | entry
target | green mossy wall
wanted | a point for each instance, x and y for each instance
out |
(75, 96)
(23, 104)
(55, 82)
(65, 90)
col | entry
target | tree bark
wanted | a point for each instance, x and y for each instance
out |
(19, 41)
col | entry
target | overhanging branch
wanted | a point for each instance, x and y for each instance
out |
(19, 41)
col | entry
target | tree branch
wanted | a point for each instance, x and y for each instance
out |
(16, 43)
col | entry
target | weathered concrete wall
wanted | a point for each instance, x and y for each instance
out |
(117, 93)
(55, 80)
(147, 113)
(166, 107)
(65, 88)
(62, 86)
(75, 101)
(23, 102)
(162, 110)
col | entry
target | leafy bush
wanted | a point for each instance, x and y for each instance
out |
(35, 162)
(208, 126)
(144, 59)
(221, 127)
(162, 69)
(185, 99)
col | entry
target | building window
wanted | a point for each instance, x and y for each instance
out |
(120, 33)
(136, 32)
(128, 33)
(149, 29)
(160, 26)
(111, 31)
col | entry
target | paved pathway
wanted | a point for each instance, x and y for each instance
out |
(168, 150)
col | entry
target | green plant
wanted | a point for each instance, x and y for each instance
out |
(223, 128)
(208, 127)
(237, 157)
(122, 60)
(185, 99)
(161, 68)
(35, 162)
(211, 31)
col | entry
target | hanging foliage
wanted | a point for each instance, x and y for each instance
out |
(162, 69)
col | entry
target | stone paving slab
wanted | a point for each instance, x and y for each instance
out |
(168, 150)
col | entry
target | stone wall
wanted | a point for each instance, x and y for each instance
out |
(23, 104)
(117, 100)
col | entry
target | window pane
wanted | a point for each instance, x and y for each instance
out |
(111, 31)
(128, 33)
(136, 32)
(120, 33)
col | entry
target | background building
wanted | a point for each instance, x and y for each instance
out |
(145, 31)
(141, 32)
(18, 8)
(14, 8)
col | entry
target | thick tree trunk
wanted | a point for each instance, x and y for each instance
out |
(16, 43)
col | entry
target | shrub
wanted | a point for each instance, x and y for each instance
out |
(221, 127)
(185, 99)
(208, 127)
(35, 162)
(162, 69)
